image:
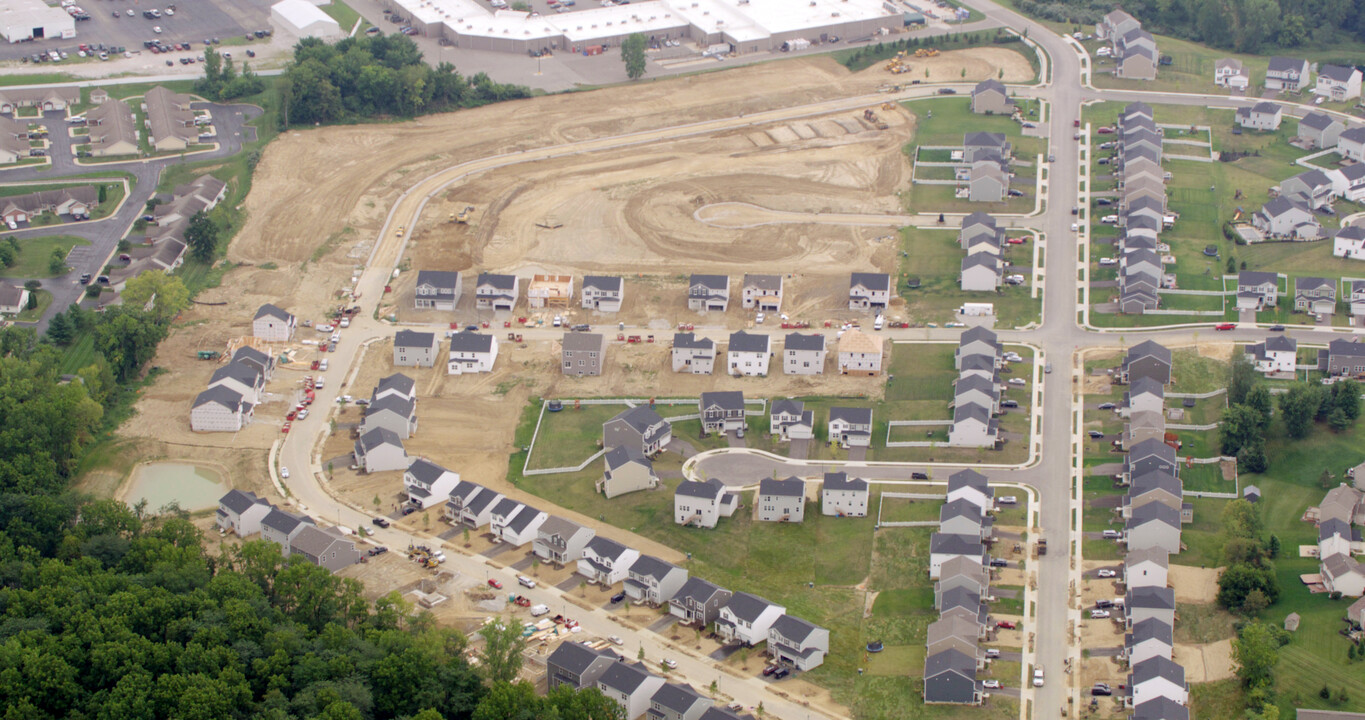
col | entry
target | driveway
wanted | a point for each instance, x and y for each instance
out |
(857, 454)
(663, 624)
(496, 550)
(800, 449)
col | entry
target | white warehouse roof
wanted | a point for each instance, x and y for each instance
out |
(305, 18)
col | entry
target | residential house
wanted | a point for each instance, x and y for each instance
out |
(696, 355)
(654, 581)
(414, 349)
(1312, 189)
(717, 712)
(395, 385)
(550, 291)
(606, 562)
(603, 293)
(638, 427)
(1137, 57)
(746, 619)
(1115, 25)
(516, 523)
(795, 642)
(1147, 359)
(1315, 295)
(843, 496)
(1149, 602)
(781, 500)
(950, 678)
(169, 119)
(1278, 354)
(272, 324)
(1343, 503)
(989, 97)
(790, 420)
(1134, 188)
(626, 471)
(391, 412)
(1153, 525)
(1144, 395)
(1357, 299)
(944, 547)
(1155, 486)
(477, 510)
(560, 542)
(1351, 144)
(437, 290)
(971, 485)
(1284, 73)
(578, 665)
(380, 450)
(982, 365)
(850, 427)
(985, 146)
(677, 702)
(112, 129)
(281, 527)
(44, 98)
(428, 484)
(763, 292)
(803, 354)
(1261, 116)
(13, 299)
(708, 292)
(956, 632)
(1257, 289)
(1343, 574)
(471, 352)
(977, 340)
(987, 181)
(702, 503)
(1137, 300)
(583, 354)
(981, 272)
(1355, 614)
(241, 512)
(1338, 83)
(13, 140)
(1282, 217)
(977, 390)
(698, 602)
(1146, 567)
(869, 291)
(1158, 677)
(964, 603)
(1229, 73)
(460, 496)
(748, 354)
(973, 426)
(978, 228)
(1348, 183)
(963, 572)
(220, 409)
(1342, 357)
(1320, 130)
(1334, 537)
(73, 202)
(860, 353)
(199, 195)
(1162, 708)
(330, 548)
(241, 378)
(1146, 456)
(629, 685)
(263, 363)
(496, 292)
(963, 517)
(722, 411)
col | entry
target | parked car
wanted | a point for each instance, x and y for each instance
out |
(615, 640)
(381, 522)
(1225, 326)
(991, 684)
(1099, 614)
(1276, 328)
(769, 670)
(781, 673)
(1006, 625)
(1107, 406)
(284, 472)
(495, 583)
(1007, 500)
(670, 663)
(999, 562)
(992, 653)
(1018, 381)
(525, 581)
(1112, 534)
(1107, 573)
(1009, 403)
(1095, 435)
(618, 597)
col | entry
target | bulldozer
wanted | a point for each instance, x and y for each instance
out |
(926, 53)
(464, 215)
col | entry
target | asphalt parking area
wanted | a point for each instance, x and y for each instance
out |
(192, 22)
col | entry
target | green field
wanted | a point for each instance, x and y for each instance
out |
(935, 257)
(569, 437)
(33, 315)
(942, 122)
(34, 254)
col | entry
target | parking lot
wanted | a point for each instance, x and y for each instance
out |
(192, 22)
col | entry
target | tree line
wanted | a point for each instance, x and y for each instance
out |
(381, 76)
(1243, 428)
(1248, 26)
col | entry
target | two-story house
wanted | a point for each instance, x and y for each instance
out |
(975, 389)
(850, 427)
(674, 701)
(978, 227)
(790, 420)
(272, 324)
(428, 484)
(639, 427)
(583, 354)
(693, 354)
(762, 292)
(708, 292)
(517, 526)
(981, 272)
(330, 548)
(860, 353)
(843, 496)
(1320, 130)
(702, 504)
(1312, 188)
(251, 357)
(698, 602)
(241, 513)
(1351, 143)
(437, 290)
(606, 562)
(626, 470)
(869, 291)
(1157, 677)
(781, 500)
(560, 541)
(380, 450)
(803, 354)
(471, 352)
(603, 293)
(654, 581)
(1153, 525)
(944, 547)
(281, 527)
(1257, 290)
(629, 685)
(988, 180)
(973, 486)
(477, 509)
(1149, 602)
(414, 349)
(1146, 567)
(748, 354)
(962, 517)
(460, 495)
(1149, 638)
(1282, 217)
(1264, 116)
(393, 412)
(973, 426)
(1285, 73)
(1315, 295)
(1229, 73)
(990, 97)
(978, 146)
(1342, 357)
(795, 642)
(746, 619)
(243, 379)
(1144, 395)
(577, 665)
(722, 411)
(977, 340)
(1148, 359)
(496, 292)
(950, 678)
(1338, 83)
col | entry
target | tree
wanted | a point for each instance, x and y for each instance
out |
(1346, 398)
(202, 237)
(1232, 265)
(1238, 581)
(56, 262)
(1273, 546)
(1338, 421)
(103, 194)
(1259, 399)
(1241, 377)
(1240, 518)
(633, 55)
(1298, 408)
(1254, 602)
(501, 654)
(168, 292)
(510, 701)
(8, 255)
(59, 330)
(1255, 653)
(1251, 458)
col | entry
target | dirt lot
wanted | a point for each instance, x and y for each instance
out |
(1194, 585)
(1206, 662)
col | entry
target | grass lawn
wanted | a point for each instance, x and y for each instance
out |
(35, 253)
(909, 510)
(344, 14)
(79, 354)
(33, 315)
(1195, 373)
(570, 436)
(942, 122)
(935, 257)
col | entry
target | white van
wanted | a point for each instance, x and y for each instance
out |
(878, 323)
(538, 610)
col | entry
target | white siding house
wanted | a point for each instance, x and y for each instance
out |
(273, 324)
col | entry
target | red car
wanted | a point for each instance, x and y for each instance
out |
(1105, 131)
(494, 583)
(1017, 241)
(1226, 326)
(1005, 624)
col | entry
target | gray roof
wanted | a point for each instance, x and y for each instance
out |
(650, 566)
(989, 84)
(1154, 512)
(506, 507)
(679, 698)
(951, 627)
(968, 383)
(698, 590)
(787, 406)
(1149, 348)
(463, 489)
(854, 416)
(426, 471)
(1164, 708)
(624, 454)
(1333, 527)
(523, 518)
(698, 489)
(1284, 64)
(500, 282)
(246, 352)
(741, 341)
(604, 547)
(1281, 343)
(1278, 206)
(724, 399)
(971, 411)
(556, 525)
(471, 342)
(763, 282)
(246, 374)
(313, 541)
(640, 418)
(1150, 597)
(871, 281)
(1336, 73)
(978, 218)
(625, 677)
(377, 437)
(945, 543)
(283, 521)
(960, 507)
(691, 341)
(791, 487)
(439, 279)
(577, 657)
(978, 332)
(949, 660)
(1138, 556)
(716, 712)
(794, 628)
(1150, 629)
(220, 395)
(968, 478)
(1314, 178)
(268, 310)
(608, 283)
(1155, 480)
(397, 381)
(239, 501)
(799, 341)
(397, 404)
(984, 139)
(412, 338)
(482, 500)
(982, 259)
(748, 607)
(584, 342)
(1140, 108)
(1146, 386)
(841, 481)
(1354, 134)
(1343, 347)
(1313, 283)
(1158, 667)
(1317, 121)
(719, 283)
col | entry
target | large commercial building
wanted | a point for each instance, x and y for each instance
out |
(22, 20)
(303, 19)
(746, 26)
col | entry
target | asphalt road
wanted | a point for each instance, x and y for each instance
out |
(105, 233)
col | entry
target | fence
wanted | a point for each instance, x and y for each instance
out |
(1197, 396)
(1213, 495)
(1210, 426)
(1206, 461)
(907, 496)
(554, 471)
(913, 423)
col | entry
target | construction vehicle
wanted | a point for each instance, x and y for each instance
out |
(926, 53)
(464, 215)
(888, 106)
(871, 117)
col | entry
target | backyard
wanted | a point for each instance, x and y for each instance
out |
(943, 122)
(934, 257)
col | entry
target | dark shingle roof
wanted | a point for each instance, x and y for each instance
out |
(220, 395)
(246, 374)
(239, 501)
(1151, 597)
(624, 454)
(841, 481)
(604, 547)
(577, 657)
(692, 488)
(944, 543)
(690, 341)
(607, 283)
(1149, 629)
(679, 698)
(397, 381)
(851, 415)
(748, 607)
(650, 566)
(378, 437)
(698, 590)
(439, 279)
(426, 471)
(1164, 708)
(791, 487)
(787, 406)
(794, 628)
(282, 521)
(799, 341)
(717, 283)
(268, 310)
(625, 677)
(741, 341)
(724, 399)
(471, 342)
(499, 282)
(871, 281)
(412, 338)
